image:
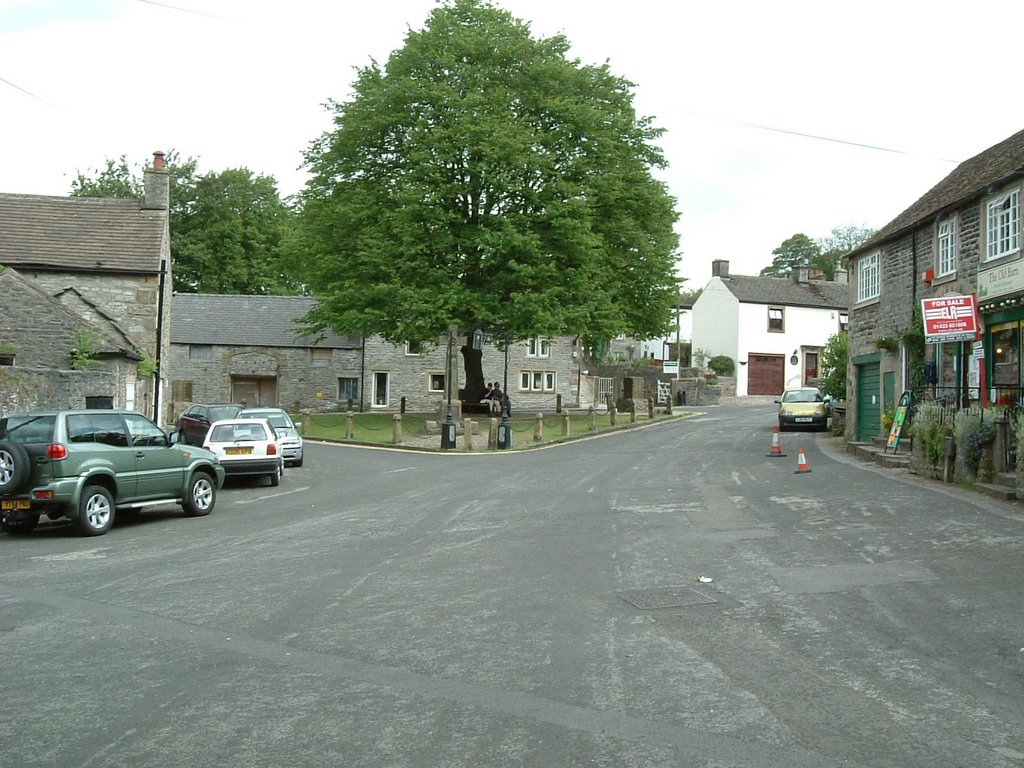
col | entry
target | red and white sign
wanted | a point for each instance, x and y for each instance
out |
(951, 318)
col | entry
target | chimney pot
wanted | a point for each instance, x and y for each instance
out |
(158, 160)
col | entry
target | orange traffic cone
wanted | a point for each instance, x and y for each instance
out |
(776, 449)
(801, 463)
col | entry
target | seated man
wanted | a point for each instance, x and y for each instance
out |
(496, 398)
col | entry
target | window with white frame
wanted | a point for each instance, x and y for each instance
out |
(538, 348)
(844, 321)
(868, 276)
(437, 382)
(1003, 225)
(537, 381)
(414, 347)
(947, 246)
(776, 319)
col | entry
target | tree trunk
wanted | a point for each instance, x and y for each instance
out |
(475, 384)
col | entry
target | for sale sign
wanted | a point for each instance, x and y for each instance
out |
(951, 318)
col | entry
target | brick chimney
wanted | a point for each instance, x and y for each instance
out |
(157, 184)
(720, 268)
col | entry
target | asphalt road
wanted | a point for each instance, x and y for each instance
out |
(537, 608)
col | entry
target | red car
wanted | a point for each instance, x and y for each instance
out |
(194, 423)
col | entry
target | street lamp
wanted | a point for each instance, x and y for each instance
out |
(448, 428)
(504, 428)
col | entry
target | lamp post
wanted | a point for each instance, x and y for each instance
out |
(448, 428)
(504, 428)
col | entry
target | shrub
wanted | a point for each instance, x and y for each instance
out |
(930, 432)
(722, 365)
(973, 433)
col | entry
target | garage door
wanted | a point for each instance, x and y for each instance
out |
(766, 374)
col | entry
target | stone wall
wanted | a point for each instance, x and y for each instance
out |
(306, 380)
(31, 389)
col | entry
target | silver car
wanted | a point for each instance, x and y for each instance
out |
(288, 436)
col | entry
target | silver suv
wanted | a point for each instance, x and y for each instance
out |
(86, 465)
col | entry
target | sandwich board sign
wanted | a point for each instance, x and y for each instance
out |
(950, 318)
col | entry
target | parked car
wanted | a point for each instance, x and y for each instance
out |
(802, 407)
(288, 435)
(246, 447)
(194, 423)
(89, 465)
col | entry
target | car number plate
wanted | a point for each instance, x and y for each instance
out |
(15, 504)
(238, 451)
(803, 418)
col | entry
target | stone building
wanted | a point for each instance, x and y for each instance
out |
(962, 237)
(229, 348)
(250, 350)
(106, 262)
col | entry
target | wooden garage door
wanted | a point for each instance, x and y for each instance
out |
(766, 374)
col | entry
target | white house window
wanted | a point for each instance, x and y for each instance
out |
(414, 347)
(947, 246)
(776, 318)
(537, 381)
(867, 276)
(844, 321)
(200, 352)
(1003, 225)
(381, 381)
(437, 382)
(538, 348)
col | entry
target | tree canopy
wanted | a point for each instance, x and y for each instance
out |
(827, 254)
(228, 228)
(483, 179)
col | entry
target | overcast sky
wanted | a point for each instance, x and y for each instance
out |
(781, 117)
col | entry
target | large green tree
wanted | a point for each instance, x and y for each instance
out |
(228, 228)
(483, 179)
(797, 251)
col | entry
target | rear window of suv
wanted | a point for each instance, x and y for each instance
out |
(27, 429)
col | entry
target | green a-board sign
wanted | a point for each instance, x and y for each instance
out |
(899, 418)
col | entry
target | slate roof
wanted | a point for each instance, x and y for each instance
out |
(995, 165)
(784, 291)
(109, 341)
(248, 321)
(80, 234)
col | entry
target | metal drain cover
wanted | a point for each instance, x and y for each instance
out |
(671, 597)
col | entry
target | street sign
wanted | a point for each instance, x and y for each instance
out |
(951, 318)
(670, 366)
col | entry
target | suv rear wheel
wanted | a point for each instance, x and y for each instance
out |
(95, 511)
(15, 466)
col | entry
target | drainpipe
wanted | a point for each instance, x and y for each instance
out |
(158, 390)
(362, 369)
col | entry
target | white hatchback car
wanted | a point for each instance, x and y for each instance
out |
(246, 447)
(288, 436)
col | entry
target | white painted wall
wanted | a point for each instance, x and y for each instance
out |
(804, 328)
(716, 321)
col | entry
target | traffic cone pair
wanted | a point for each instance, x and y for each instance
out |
(801, 463)
(776, 449)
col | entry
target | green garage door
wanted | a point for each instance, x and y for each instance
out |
(869, 406)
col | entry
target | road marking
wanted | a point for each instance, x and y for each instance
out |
(273, 495)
